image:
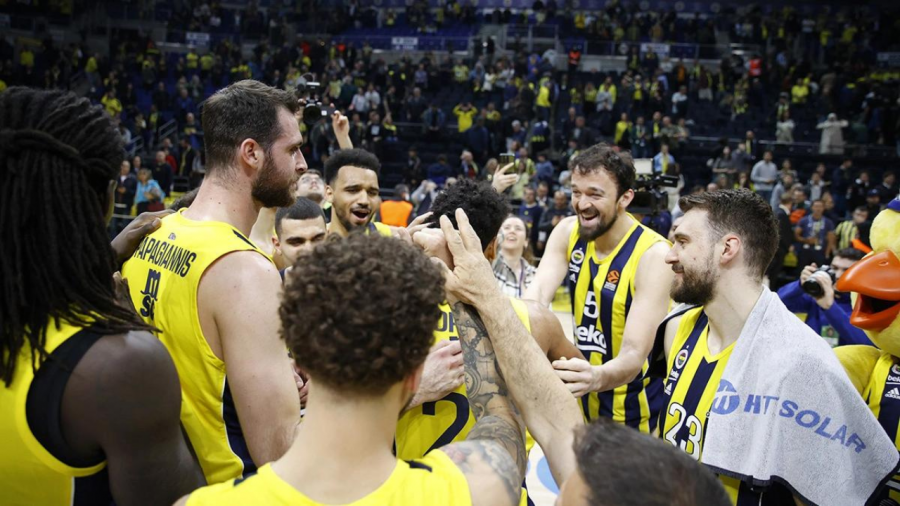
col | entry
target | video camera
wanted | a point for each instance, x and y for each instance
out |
(313, 110)
(649, 196)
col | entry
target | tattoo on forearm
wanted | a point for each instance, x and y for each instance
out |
(465, 454)
(497, 415)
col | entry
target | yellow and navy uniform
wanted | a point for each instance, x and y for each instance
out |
(378, 227)
(882, 394)
(431, 480)
(33, 468)
(164, 275)
(691, 386)
(601, 292)
(449, 420)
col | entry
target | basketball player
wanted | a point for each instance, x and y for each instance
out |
(435, 424)
(615, 268)
(298, 228)
(722, 249)
(351, 179)
(646, 473)
(364, 369)
(213, 293)
(89, 401)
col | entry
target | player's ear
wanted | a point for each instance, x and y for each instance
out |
(276, 243)
(329, 193)
(626, 198)
(732, 246)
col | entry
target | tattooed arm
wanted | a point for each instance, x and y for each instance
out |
(493, 456)
(550, 411)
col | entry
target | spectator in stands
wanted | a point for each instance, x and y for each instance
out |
(849, 230)
(723, 165)
(543, 194)
(584, 135)
(373, 97)
(465, 114)
(815, 233)
(832, 142)
(397, 211)
(887, 190)
(516, 137)
(187, 157)
(468, 169)
(764, 175)
(622, 137)
(359, 103)
(828, 314)
(149, 195)
(873, 202)
(478, 140)
(191, 127)
(785, 240)
(415, 106)
(184, 105)
(460, 73)
(162, 173)
(413, 170)
(784, 186)
(433, 120)
(551, 217)
(440, 171)
(126, 188)
(750, 144)
(784, 129)
(680, 103)
(544, 171)
(512, 267)
(663, 160)
(640, 141)
(112, 104)
(799, 92)
(529, 210)
(859, 190)
(816, 186)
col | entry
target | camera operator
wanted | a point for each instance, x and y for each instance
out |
(827, 310)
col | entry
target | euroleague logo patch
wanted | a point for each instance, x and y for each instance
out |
(681, 359)
(612, 280)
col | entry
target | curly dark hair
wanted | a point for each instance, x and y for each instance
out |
(350, 158)
(742, 212)
(618, 164)
(486, 209)
(359, 314)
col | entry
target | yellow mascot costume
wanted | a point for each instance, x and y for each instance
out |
(875, 283)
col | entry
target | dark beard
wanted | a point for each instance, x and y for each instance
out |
(344, 219)
(589, 234)
(696, 288)
(268, 191)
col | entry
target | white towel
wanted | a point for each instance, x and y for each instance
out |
(786, 412)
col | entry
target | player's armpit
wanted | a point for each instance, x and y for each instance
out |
(494, 478)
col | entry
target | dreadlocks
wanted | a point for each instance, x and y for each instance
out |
(58, 155)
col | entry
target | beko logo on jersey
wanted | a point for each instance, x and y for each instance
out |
(166, 255)
(728, 402)
(591, 338)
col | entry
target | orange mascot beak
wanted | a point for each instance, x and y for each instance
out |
(876, 279)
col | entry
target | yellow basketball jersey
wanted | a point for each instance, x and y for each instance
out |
(431, 480)
(882, 394)
(29, 473)
(163, 277)
(381, 228)
(601, 292)
(690, 389)
(436, 424)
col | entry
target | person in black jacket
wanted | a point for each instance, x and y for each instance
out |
(785, 239)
